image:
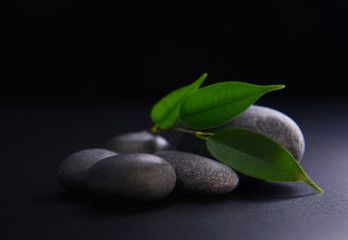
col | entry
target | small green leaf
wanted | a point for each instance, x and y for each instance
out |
(216, 104)
(165, 113)
(257, 156)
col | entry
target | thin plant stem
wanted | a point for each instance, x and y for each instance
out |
(196, 133)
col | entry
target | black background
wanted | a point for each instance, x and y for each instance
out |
(82, 51)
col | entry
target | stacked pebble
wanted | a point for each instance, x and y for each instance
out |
(141, 166)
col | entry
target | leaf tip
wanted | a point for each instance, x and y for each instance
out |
(319, 189)
(204, 76)
(278, 87)
(309, 181)
(200, 80)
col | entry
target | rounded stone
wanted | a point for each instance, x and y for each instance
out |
(137, 142)
(72, 171)
(131, 178)
(199, 175)
(267, 121)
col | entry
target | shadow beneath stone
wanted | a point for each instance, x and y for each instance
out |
(249, 189)
(85, 204)
(107, 209)
(184, 198)
(65, 197)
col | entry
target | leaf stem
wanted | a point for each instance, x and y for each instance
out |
(155, 129)
(196, 133)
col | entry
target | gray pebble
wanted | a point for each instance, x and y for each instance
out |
(200, 175)
(137, 142)
(267, 121)
(72, 171)
(131, 177)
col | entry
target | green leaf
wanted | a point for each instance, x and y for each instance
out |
(216, 104)
(257, 156)
(165, 113)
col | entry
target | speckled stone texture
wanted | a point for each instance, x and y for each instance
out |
(199, 175)
(72, 172)
(264, 120)
(131, 178)
(137, 142)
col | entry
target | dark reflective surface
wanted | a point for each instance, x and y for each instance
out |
(36, 138)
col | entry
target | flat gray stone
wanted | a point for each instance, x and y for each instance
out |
(267, 121)
(137, 142)
(200, 175)
(72, 171)
(131, 178)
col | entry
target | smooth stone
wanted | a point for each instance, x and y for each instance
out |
(199, 175)
(267, 121)
(137, 142)
(72, 171)
(131, 178)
